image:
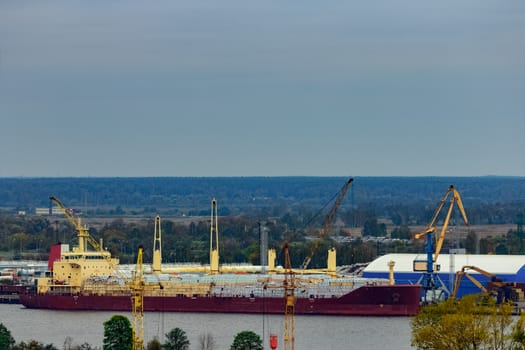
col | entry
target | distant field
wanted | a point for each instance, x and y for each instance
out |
(453, 231)
(98, 222)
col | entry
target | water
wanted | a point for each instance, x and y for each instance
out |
(311, 332)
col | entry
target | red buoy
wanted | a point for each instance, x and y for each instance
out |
(273, 341)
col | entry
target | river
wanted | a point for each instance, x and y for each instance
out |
(311, 332)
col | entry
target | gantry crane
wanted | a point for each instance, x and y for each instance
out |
(325, 230)
(135, 284)
(430, 281)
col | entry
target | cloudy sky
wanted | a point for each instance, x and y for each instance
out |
(262, 88)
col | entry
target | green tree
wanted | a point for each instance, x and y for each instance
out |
(518, 333)
(247, 340)
(176, 339)
(373, 228)
(402, 232)
(471, 243)
(471, 323)
(20, 240)
(6, 340)
(118, 334)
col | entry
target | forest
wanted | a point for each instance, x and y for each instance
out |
(377, 215)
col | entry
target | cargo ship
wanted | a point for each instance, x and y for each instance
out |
(86, 281)
(83, 279)
(367, 300)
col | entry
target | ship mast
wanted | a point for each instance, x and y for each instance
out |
(157, 247)
(214, 239)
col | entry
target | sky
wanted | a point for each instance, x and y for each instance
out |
(262, 88)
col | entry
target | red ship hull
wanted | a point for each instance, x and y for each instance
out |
(397, 300)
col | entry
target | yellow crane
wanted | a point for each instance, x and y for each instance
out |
(289, 296)
(464, 273)
(431, 226)
(327, 223)
(83, 235)
(502, 290)
(137, 303)
(288, 283)
(428, 281)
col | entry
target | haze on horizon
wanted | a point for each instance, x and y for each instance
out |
(267, 88)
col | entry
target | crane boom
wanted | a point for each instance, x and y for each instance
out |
(83, 235)
(431, 226)
(459, 277)
(495, 280)
(327, 223)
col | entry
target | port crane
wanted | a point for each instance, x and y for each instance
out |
(504, 291)
(325, 230)
(135, 284)
(429, 280)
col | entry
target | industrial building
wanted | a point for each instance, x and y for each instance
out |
(508, 268)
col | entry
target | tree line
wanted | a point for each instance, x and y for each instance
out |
(475, 322)
(381, 210)
(239, 195)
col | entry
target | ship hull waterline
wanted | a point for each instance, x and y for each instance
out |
(396, 300)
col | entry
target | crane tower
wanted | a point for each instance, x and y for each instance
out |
(430, 280)
(289, 296)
